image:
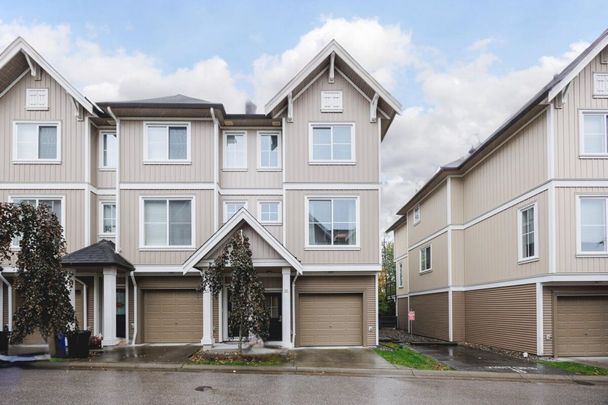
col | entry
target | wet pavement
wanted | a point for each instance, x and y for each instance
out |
(145, 354)
(340, 358)
(468, 359)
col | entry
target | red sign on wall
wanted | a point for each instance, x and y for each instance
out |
(411, 315)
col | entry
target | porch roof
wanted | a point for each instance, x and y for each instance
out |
(100, 254)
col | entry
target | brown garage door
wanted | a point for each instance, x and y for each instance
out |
(581, 327)
(172, 316)
(330, 320)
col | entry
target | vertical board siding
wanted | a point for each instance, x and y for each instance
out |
(100, 178)
(458, 316)
(457, 201)
(431, 315)
(401, 246)
(306, 110)
(406, 277)
(438, 276)
(516, 167)
(502, 317)
(458, 265)
(547, 321)
(433, 215)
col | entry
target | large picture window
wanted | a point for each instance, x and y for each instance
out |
(332, 143)
(167, 222)
(36, 142)
(333, 222)
(592, 225)
(167, 142)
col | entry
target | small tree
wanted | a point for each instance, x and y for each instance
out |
(249, 314)
(387, 280)
(42, 283)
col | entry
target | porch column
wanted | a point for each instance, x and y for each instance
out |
(73, 290)
(96, 305)
(207, 339)
(286, 308)
(109, 306)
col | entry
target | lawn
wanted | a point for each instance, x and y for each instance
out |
(406, 357)
(576, 368)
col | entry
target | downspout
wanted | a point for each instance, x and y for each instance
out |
(117, 174)
(134, 307)
(293, 310)
(216, 175)
(85, 318)
(10, 302)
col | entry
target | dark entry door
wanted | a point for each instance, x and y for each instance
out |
(120, 313)
(274, 305)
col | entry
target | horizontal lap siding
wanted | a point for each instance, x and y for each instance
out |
(458, 316)
(402, 317)
(438, 277)
(433, 216)
(432, 318)
(502, 317)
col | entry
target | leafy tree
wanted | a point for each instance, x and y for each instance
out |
(249, 314)
(387, 280)
(41, 282)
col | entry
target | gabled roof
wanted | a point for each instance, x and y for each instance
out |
(99, 254)
(20, 47)
(402, 220)
(178, 100)
(242, 216)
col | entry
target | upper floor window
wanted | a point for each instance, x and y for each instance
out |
(333, 221)
(36, 142)
(36, 99)
(167, 222)
(232, 207)
(53, 203)
(400, 275)
(108, 151)
(528, 232)
(592, 225)
(331, 101)
(235, 150)
(108, 218)
(417, 214)
(425, 258)
(269, 150)
(332, 143)
(269, 212)
(166, 142)
(594, 139)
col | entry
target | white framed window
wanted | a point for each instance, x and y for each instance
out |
(592, 225)
(332, 222)
(167, 222)
(37, 99)
(269, 150)
(107, 218)
(600, 84)
(425, 259)
(36, 142)
(232, 207)
(108, 150)
(417, 214)
(400, 275)
(167, 142)
(332, 143)
(235, 150)
(55, 203)
(527, 229)
(594, 133)
(331, 101)
(269, 212)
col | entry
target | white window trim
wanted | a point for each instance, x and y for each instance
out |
(101, 232)
(581, 135)
(417, 221)
(595, 95)
(308, 246)
(12, 198)
(520, 252)
(259, 150)
(31, 108)
(15, 160)
(353, 149)
(334, 110)
(280, 208)
(100, 147)
(143, 246)
(168, 161)
(579, 251)
(420, 271)
(224, 145)
(400, 277)
(224, 213)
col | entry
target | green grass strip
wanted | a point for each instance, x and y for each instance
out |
(407, 357)
(575, 368)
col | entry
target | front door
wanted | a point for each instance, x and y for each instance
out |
(120, 313)
(274, 305)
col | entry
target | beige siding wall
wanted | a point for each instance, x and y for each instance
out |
(518, 166)
(400, 235)
(566, 248)
(402, 265)
(369, 235)
(434, 215)
(458, 316)
(457, 202)
(306, 110)
(458, 265)
(61, 108)
(491, 246)
(431, 315)
(259, 247)
(345, 284)
(567, 145)
(547, 320)
(100, 177)
(438, 276)
(402, 310)
(502, 317)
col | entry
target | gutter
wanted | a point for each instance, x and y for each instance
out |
(132, 274)
(10, 302)
(117, 174)
(293, 309)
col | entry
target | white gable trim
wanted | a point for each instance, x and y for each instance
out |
(229, 226)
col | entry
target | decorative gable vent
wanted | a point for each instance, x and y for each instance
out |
(600, 84)
(331, 101)
(37, 99)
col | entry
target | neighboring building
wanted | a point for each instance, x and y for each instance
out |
(507, 247)
(148, 191)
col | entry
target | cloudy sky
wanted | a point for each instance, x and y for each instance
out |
(459, 68)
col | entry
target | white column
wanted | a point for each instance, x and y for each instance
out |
(96, 305)
(207, 339)
(109, 306)
(286, 309)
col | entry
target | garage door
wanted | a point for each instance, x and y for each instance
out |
(582, 326)
(172, 316)
(330, 320)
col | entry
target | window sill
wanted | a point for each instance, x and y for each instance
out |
(332, 110)
(423, 272)
(167, 248)
(330, 248)
(269, 169)
(271, 223)
(106, 169)
(234, 169)
(594, 156)
(528, 260)
(592, 255)
(36, 162)
(331, 163)
(167, 162)
(106, 235)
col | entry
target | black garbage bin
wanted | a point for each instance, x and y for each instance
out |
(4, 339)
(78, 344)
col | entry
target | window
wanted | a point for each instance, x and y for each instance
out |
(167, 142)
(400, 275)
(36, 99)
(269, 212)
(417, 215)
(425, 259)
(331, 101)
(36, 142)
(108, 218)
(594, 139)
(235, 150)
(108, 150)
(332, 143)
(600, 84)
(528, 232)
(232, 207)
(167, 222)
(269, 150)
(592, 225)
(55, 204)
(333, 222)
